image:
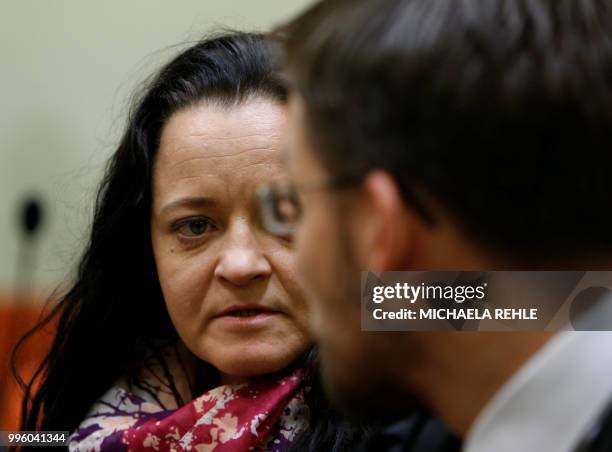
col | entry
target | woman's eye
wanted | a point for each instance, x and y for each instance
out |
(194, 228)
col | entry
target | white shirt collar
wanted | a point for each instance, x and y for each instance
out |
(552, 401)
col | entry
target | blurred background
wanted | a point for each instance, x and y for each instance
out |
(67, 73)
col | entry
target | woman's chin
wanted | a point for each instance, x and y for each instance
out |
(252, 356)
(242, 363)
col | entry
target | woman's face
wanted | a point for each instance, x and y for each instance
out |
(230, 288)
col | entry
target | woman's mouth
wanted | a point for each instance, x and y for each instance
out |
(245, 315)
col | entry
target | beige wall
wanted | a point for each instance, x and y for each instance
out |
(66, 73)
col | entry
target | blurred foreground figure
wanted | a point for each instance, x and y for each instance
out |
(454, 135)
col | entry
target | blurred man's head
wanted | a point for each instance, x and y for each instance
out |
(443, 135)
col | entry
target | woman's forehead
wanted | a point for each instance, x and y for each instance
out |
(246, 133)
(213, 146)
(254, 123)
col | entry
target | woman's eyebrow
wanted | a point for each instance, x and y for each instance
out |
(188, 201)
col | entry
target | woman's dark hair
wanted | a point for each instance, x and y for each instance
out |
(114, 313)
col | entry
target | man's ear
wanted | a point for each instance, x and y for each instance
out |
(392, 229)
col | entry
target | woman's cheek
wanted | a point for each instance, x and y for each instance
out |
(184, 290)
(285, 264)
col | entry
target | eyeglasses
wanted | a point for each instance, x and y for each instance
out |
(280, 206)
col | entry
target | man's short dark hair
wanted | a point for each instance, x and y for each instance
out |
(500, 110)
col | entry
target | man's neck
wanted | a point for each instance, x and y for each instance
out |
(464, 370)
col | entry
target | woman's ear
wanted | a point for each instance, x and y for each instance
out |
(392, 231)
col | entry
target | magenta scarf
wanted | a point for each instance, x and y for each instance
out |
(141, 413)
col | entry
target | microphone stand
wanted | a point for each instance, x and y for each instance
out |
(30, 222)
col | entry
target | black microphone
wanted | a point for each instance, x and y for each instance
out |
(30, 218)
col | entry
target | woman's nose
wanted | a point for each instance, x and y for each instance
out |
(242, 260)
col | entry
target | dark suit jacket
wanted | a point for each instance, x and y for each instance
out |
(419, 432)
(423, 433)
(599, 439)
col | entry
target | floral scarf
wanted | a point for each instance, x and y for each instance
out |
(141, 413)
